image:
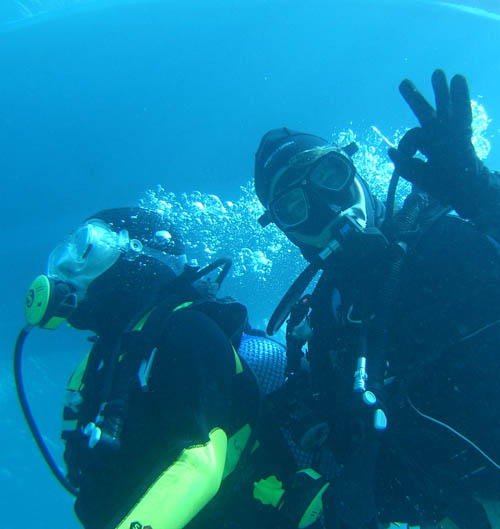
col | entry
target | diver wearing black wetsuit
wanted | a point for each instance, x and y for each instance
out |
(405, 319)
(161, 418)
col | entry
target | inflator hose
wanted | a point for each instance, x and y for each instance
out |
(21, 395)
(391, 196)
(405, 221)
(292, 296)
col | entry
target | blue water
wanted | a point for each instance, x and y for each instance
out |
(103, 101)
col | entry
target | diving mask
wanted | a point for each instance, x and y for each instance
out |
(94, 247)
(311, 172)
(87, 253)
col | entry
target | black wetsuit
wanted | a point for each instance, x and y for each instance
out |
(193, 388)
(443, 342)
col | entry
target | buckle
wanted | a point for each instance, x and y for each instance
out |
(265, 219)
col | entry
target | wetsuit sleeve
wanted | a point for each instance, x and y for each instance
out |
(482, 204)
(191, 384)
(183, 489)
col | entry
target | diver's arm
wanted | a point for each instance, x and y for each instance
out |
(183, 489)
(486, 214)
(191, 382)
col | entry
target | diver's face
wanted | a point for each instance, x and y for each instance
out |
(309, 200)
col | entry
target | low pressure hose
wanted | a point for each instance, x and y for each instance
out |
(405, 221)
(29, 417)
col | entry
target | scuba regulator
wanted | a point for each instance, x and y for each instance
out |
(48, 303)
(348, 235)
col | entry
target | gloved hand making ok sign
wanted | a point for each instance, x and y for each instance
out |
(453, 173)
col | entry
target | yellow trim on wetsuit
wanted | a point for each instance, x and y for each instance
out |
(237, 359)
(140, 324)
(314, 509)
(183, 489)
(75, 382)
(183, 306)
(235, 446)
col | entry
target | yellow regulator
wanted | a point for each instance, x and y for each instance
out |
(48, 303)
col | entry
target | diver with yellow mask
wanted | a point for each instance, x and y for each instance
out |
(164, 423)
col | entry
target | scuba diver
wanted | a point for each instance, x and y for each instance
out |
(164, 422)
(403, 325)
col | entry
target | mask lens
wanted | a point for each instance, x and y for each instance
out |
(332, 172)
(291, 208)
(86, 254)
(82, 242)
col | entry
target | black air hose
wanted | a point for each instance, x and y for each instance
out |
(406, 220)
(29, 417)
(391, 196)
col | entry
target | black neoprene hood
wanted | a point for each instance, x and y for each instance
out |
(276, 149)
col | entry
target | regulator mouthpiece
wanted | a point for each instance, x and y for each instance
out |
(49, 302)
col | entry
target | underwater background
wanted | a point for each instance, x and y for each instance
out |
(163, 103)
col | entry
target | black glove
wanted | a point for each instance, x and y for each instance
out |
(453, 174)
